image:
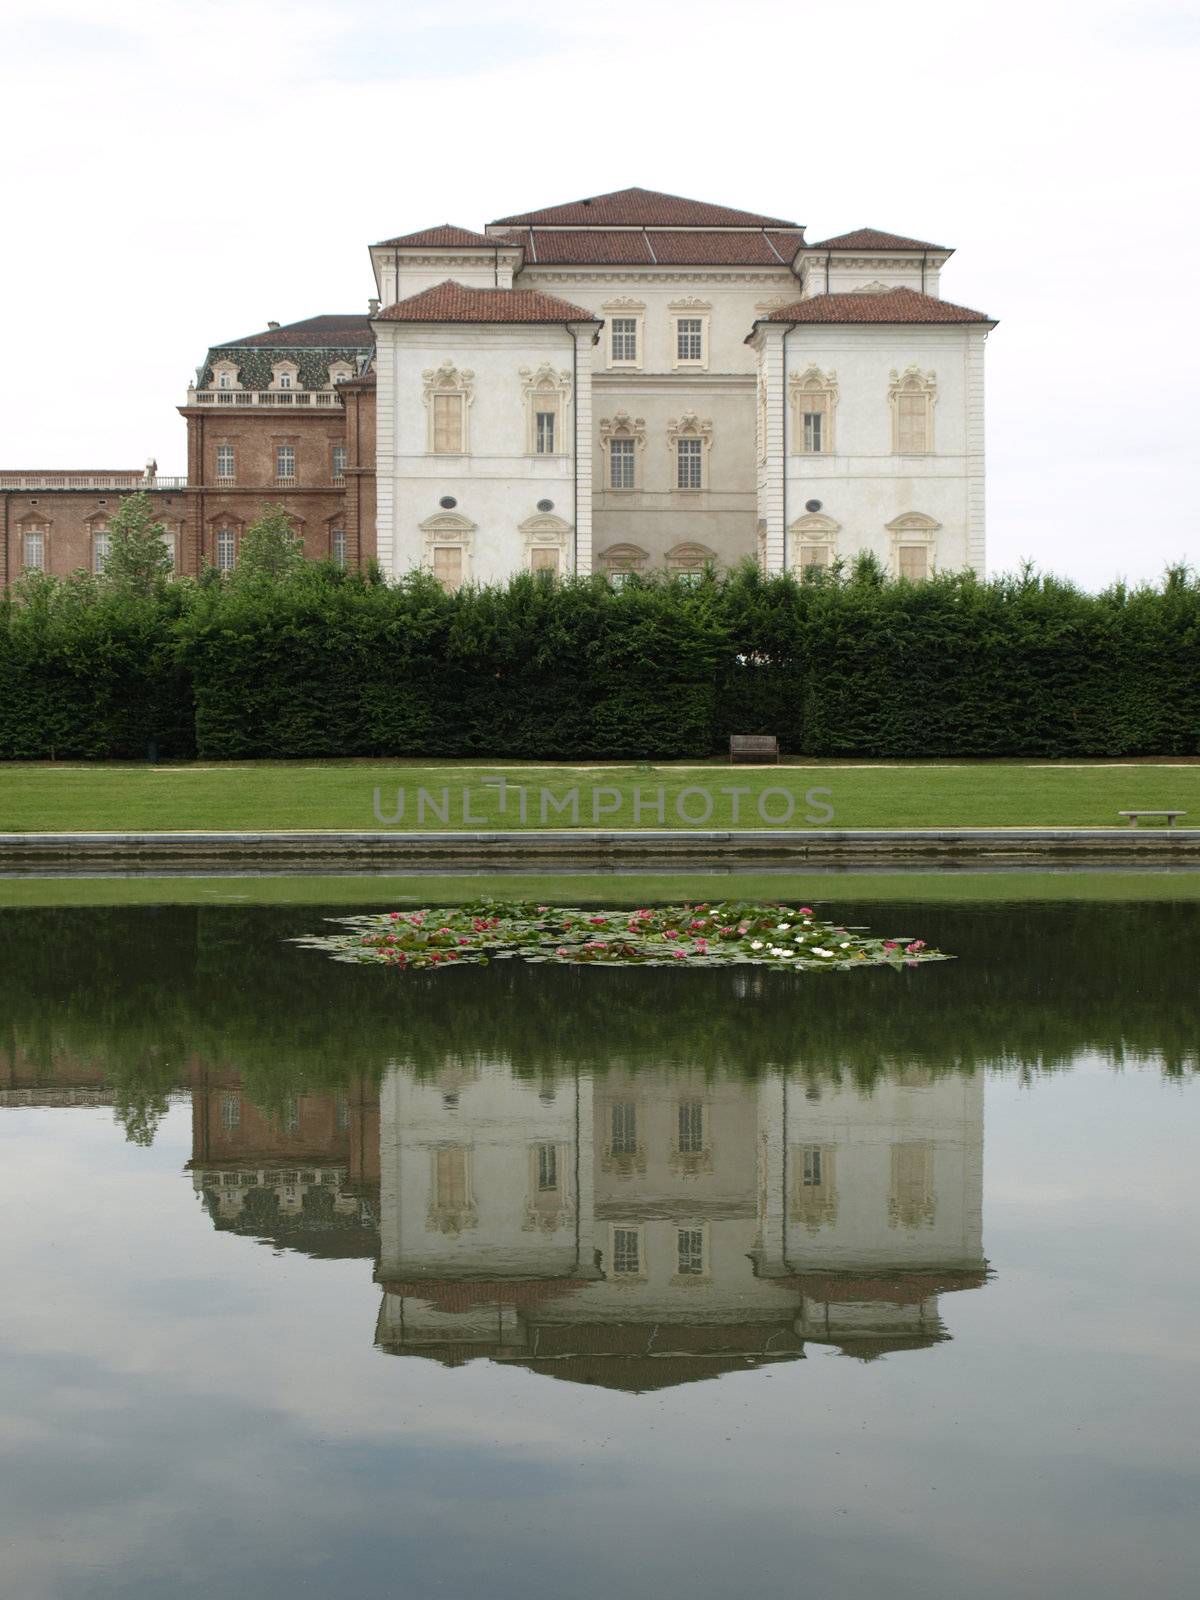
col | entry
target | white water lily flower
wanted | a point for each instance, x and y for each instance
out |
(756, 944)
(845, 944)
(783, 927)
(817, 951)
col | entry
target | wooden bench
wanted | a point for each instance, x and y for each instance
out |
(1134, 815)
(753, 747)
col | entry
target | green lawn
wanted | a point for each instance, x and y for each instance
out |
(340, 795)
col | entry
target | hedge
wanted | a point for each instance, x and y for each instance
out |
(328, 664)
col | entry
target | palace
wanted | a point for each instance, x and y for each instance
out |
(620, 384)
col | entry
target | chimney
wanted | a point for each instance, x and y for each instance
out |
(272, 326)
(372, 307)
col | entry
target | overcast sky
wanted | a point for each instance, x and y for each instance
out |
(174, 173)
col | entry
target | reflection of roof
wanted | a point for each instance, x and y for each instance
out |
(865, 1348)
(467, 1294)
(892, 1288)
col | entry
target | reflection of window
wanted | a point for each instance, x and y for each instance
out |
(291, 1115)
(812, 1166)
(911, 1199)
(690, 1243)
(627, 1256)
(814, 1191)
(231, 1111)
(342, 1113)
(547, 1167)
(691, 1127)
(450, 1177)
(624, 1129)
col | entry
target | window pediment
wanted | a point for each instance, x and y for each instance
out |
(623, 426)
(546, 529)
(689, 426)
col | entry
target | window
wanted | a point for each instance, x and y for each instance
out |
(224, 381)
(544, 558)
(226, 549)
(689, 464)
(448, 566)
(101, 549)
(621, 463)
(337, 546)
(224, 462)
(285, 380)
(689, 339)
(285, 463)
(691, 1127)
(547, 1167)
(912, 395)
(168, 540)
(911, 1200)
(814, 395)
(814, 556)
(342, 1113)
(447, 424)
(450, 1177)
(291, 1115)
(339, 463)
(624, 339)
(626, 1254)
(690, 1248)
(624, 1128)
(231, 1111)
(811, 1172)
(912, 423)
(620, 559)
(35, 549)
(545, 423)
(913, 562)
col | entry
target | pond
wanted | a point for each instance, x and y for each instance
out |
(544, 1280)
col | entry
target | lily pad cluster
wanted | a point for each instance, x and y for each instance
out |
(704, 935)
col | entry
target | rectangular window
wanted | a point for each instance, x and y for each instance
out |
(627, 1255)
(620, 463)
(914, 562)
(812, 1177)
(814, 555)
(224, 463)
(35, 550)
(814, 429)
(624, 1129)
(624, 338)
(447, 424)
(226, 549)
(337, 546)
(544, 559)
(101, 550)
(547, 1166)
(690, 1252)
(339, 463)
(448, 566)
(285, 463)
(285, 380)
(913, 415)
(168, 540)
(689, 463)
(231, 1111)
(691, 1127)
(689, 339)
(545, 421)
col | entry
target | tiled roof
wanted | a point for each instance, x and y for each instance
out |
(454, 302)
(314, 333)
(889, 305)
(875, 239)
(642, 207)
(650, 246)
(445, 236)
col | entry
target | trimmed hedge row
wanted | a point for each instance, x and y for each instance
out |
(330, 664)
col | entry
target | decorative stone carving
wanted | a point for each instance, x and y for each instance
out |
(623, 426)
(690, 302)
(544, 530)
(813, 391)
(449, 379)
(875, 287)
(689, 426)
(624, 302)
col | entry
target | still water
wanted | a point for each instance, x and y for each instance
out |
(545, 1281)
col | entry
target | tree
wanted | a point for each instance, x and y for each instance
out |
(270, 548)
(138, 558)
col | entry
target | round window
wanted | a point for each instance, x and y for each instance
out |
(447, 502)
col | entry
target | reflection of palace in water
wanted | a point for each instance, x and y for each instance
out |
(633, 1230)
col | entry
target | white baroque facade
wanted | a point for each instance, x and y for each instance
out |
(638, 382)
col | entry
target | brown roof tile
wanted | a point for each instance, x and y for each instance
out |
(445, 236)
(891, 305)
(638, 207)
(455, 302)
(650, 246)
(314, 333)
(874, 239)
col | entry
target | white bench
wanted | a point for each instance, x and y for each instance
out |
(1134, 815)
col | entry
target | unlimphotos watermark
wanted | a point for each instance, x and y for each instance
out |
(487, 805)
